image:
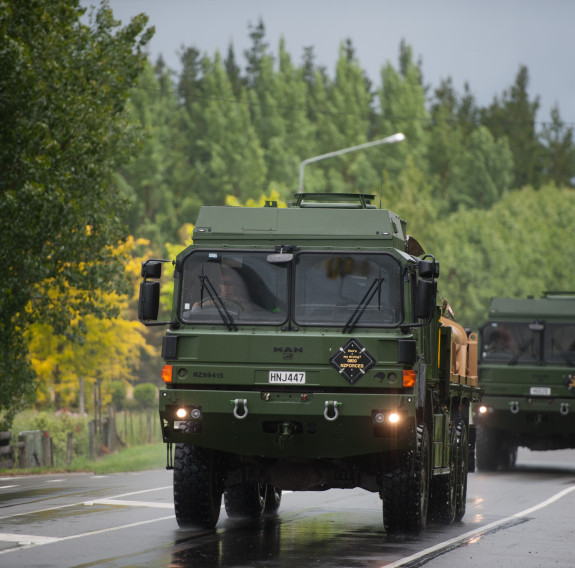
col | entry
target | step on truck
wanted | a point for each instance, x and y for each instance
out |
(527, 370)
(306, 351)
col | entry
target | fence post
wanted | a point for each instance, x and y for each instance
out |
(69, 447)
(92, 435)
(47, 450)
(111, 441)
(6, 450)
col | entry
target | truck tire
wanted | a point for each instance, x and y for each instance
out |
(488, 449)
(405, 490)
(198, 487)
(443, 498)
(462, 467)
(246, 500)
(508, 454)
(273, 500)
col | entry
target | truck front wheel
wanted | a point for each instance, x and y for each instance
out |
(488, 448)
(198, 487)
(405, 490)
(508, 456)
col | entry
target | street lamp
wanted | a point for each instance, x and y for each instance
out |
(394, 138)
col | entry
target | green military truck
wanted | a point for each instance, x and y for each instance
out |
(527, 370)
(305, 351)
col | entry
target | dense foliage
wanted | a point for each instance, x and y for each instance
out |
(63, 89)
(486, 190)
(468, 180)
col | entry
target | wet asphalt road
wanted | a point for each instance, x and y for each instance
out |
(520, 518)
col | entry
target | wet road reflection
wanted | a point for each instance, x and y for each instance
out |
(271, 542)
(133, 524)
(323, 539)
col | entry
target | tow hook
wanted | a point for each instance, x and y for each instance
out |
(514, 407)
(564, 408)
(330, 412)
(240, 408)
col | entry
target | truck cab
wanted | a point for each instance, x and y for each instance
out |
(306, 351)
(527, 368)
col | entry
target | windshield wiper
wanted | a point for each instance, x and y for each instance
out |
(218, 302)
(522, 350)
(363, 303)
(562, 352)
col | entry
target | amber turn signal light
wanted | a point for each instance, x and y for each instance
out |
(408, 378)
(167, 373)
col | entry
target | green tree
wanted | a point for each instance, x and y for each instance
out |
(481, 173)
(516, 248)
(157, 181)
(277, 102)
(63, 86)
(513, 116)
(234, 72)
(257, 51)
(559, 151)
(227, 156)
(343, 113)
(402, 109)
(145, 394)
(453, 120)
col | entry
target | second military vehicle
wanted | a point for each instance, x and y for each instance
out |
(527, 368)
(306, 351)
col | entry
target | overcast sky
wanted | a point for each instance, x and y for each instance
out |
(482, 42)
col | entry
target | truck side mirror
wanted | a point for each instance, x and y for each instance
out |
(149, 302)
(152, 269)
(428, 269)
(425, 298)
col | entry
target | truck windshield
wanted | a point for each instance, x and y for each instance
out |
(560, 344)
(513, 343)
(242, 287)
(345, 289)
(517, 343)
(233, 288)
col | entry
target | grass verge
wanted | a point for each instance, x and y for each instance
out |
(136, 458)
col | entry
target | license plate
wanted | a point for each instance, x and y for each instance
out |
(286, 377)
(540, 391)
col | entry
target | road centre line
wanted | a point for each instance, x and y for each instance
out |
(447, 545)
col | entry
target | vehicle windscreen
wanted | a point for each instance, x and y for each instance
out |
(528, 343)
(344, 289)
(335, 289)
(233, 288)
(510, 342)
(560, 343)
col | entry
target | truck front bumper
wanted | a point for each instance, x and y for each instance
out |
(288, 423)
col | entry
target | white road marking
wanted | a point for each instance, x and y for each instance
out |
(438, 548)
(83, 503)
(122, 503)
(27, 539)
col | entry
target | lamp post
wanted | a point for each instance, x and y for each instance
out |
(394, 138)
